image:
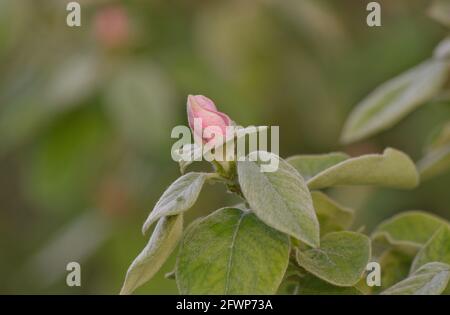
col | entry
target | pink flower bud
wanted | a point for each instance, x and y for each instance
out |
(201, 107)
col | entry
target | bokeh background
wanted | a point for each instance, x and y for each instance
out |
(86, 115)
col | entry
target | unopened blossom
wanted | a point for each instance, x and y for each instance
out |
(202, 108)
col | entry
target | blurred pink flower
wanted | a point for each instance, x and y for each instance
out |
(201, 107)
(112, 26)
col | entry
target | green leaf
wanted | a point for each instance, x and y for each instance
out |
(332, 216)
(439, 137)
(140, 100)
(437, 152)
(310, 165)
(231, 252)
(430, 279)
(341, 259)
(436, 162)
(393, 100)
(67, 163)
(186, 155)
(411, 228)
(442, 50)
(309, 284)
(392, 169)
(395, 265)
(436, 249)
(280, 199)
(164, 239)
(179, 197)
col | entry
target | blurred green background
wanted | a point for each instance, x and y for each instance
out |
(86, 115)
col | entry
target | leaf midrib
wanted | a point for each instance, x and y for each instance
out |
(230, 258)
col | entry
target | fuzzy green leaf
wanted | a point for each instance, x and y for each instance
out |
(231, 252)
(179, 197)
(341, 259)
(430, 279)
(332, 216)
(436, 249)
(187, 154)
(392, 169)
(280, 199)
(310, 165)
(395, 99)
(164, 239)
(411, 228)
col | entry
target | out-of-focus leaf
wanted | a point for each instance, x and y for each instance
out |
(13, 22)
(437, 153)
(392, 169)
(65, 164)
(37, 93)
(231, 252)
(280, 199)
(72, 80)
(312, 17)
(140, 102)
(341, 259)
(393, 100)
(309, 284)
(395, 265)
(430, 279)
(410, 228)
(164, 239)
(436, 249)
(332, 216)
(87, 234)
(310, 165)
(179, 197)
(440, 11)
(442, 50)
(440, 137)
(434, 162)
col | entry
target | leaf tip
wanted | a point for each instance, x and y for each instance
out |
(145, 227)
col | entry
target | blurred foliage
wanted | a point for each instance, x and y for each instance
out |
(86, 115)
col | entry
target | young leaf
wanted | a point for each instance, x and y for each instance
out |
(280, 199)
(436, 249)
(187, 154)
(310, 165)
(332, 216)
(430, 279)
(179, 197)
(392, 169)
(436, 162)
(341, 259)
(393, 100)
(410, 228)
(231, 252)
(164, 239)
